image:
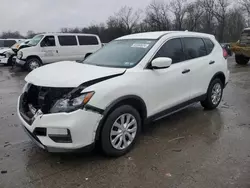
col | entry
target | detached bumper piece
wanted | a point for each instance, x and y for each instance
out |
(34, 138)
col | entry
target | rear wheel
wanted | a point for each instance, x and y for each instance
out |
(241, 60)
(33, 63)
(120, 131)
(214, 95)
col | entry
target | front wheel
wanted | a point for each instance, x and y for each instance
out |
(120, 131)
(32, 64)
(214, 95)
(241, 60)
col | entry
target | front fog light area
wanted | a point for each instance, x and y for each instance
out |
(59, 135)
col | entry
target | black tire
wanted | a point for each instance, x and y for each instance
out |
(208, 103)
(29, 62)
(106, 144)
(241, 60)
(10, 61)
(87, 55)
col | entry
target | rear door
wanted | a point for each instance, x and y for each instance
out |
(88, 45)
(199, 62)
(68, 48)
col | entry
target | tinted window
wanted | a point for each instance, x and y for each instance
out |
(209, 45)
(194, 47)
(9, 43)
(1, 43)
(48, 41)
(87, 40)
(67, 40)
(172, 49)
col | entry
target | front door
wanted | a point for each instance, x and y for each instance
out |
(170, 86)
(49, 50)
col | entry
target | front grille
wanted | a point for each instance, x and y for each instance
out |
(41, 98)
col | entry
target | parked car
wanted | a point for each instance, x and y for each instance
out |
(7, 43)
(54, 47)
(227, 47)
(7, 54)
(113, 93)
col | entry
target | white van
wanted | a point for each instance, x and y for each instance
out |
(54, 47)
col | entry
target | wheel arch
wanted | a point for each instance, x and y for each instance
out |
(87, 54)
(221, 76)
(133, 100)
(34, 56)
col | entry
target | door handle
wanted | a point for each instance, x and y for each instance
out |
(211, 62)
(186, 71)
(56, 51)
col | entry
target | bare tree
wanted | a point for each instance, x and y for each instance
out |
(128, 19)
(30, 34)
(220, 13)
(234, 25)
(179, 9)
(194, 13)
(157, 16)
(11, 34)
(245, 4)
(207, 20)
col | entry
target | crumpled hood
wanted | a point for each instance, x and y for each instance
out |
(3, 50)
(69, 74)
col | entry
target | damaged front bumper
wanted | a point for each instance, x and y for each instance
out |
(81, 126)
(3, 60)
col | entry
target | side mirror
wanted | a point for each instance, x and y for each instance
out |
(161, 63)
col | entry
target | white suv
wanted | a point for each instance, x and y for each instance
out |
(110, 96)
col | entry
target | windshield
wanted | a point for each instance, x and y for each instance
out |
(121, 53)
(35, 40)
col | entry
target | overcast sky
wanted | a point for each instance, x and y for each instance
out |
(51, 15)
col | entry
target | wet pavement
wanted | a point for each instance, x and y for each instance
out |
(193, 148)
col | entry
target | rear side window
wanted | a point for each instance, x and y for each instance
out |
(88, 40)
(209, 45)
(67, 40)
(9, 43)
(1, 43)
(194, 48)
(172, 49)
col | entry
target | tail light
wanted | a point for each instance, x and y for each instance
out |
(225, 54)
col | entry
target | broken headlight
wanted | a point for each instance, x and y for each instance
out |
(70, 105)
(7, 54)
